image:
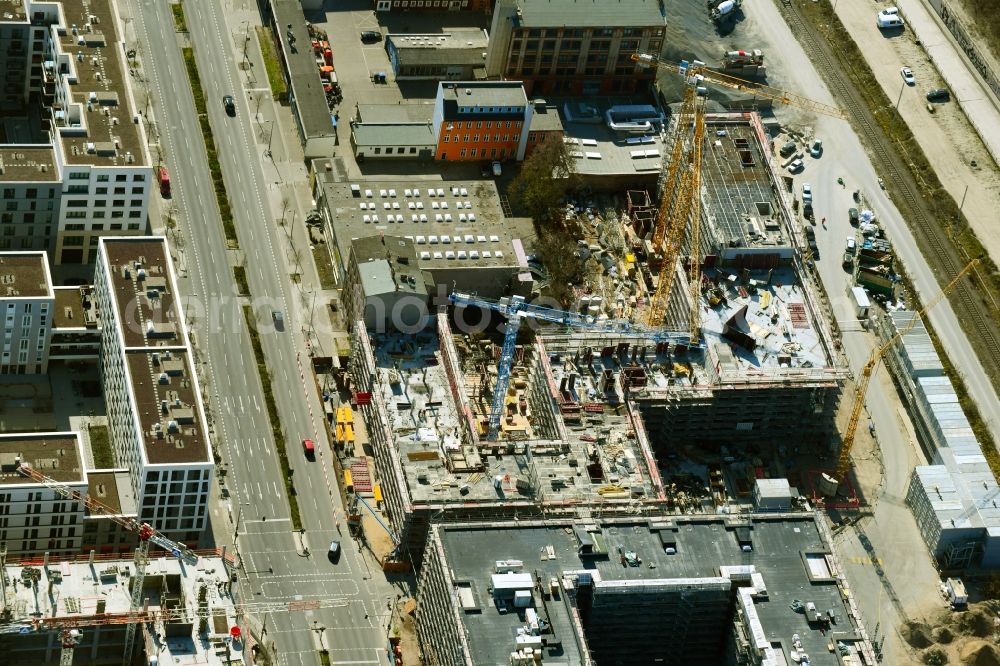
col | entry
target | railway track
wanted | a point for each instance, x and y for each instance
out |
(970, 309)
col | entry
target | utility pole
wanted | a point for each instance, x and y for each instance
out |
(899, 99)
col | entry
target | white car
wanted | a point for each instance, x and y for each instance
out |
(907, 75)
(796, 166)
(851, 244)
(807, 193)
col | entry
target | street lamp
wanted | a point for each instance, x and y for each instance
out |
(899, 99)
(239, 515)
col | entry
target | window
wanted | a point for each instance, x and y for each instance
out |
(118, 213)
(118, 203)
(74, 227)
(516, 138)
(138, 213)
(378, 150)
(446, 138)
(76, 215)
(413, 151)
(101, 190)
(120, 178)
(138, 190)
(119, 190)
(8, 193)
(133, 226)
(102, 178)
(80, 175)
(463, 152)
(489, 124)
(100, 203)
(116, 227)
(474, 152)
(496, 138)
(139, 178)
(135, 203)
(479, 125)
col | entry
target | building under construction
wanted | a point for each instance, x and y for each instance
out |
(567, 439)
(188, 612)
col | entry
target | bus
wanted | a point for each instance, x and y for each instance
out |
(163, 176)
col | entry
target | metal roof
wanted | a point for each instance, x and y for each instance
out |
(393, 134)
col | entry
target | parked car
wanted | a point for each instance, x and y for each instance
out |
(787, 149)
(907, 75)
(810, 233)
(814, 248)
(816, 149)
(807, 210)
(938, 95)
(497, 169)
(370, 36)
(851, 244)
(853, 216)
(848, 260)
(807, 193)
(796, 166)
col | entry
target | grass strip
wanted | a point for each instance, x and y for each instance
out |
(180, 22)
(100, 445)
(214, 167)
(324, 267)
(272, 64)
(272, 414)
(240, 274)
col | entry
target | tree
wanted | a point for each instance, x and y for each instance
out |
(556, 249)
(545, 178)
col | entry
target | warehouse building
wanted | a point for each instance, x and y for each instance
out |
(752, 590)
(459, 54)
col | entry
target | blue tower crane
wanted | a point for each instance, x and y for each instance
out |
(515, 308)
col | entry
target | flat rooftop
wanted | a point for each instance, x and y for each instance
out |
(169, 410)
(589, 13)
(496, 98)
(742, 205)
(80, 590)
(310, 99)
(113, 488)
(582, 450)
(56, 455)
(439, 217)
(455, 46)
(28, 164)
(157, 354)
(412, 112)
(144, 292)
(101, 82)
(600, 151)
(790, 554)
(74, 308)
(12, 10)
(24, 275)
(393, 134)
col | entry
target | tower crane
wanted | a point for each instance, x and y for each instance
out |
(700, 70)
(679, 199)
(145, 531)
(516, 309)
(844, 460)
(70, 626)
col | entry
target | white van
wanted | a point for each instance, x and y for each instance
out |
(889, 18)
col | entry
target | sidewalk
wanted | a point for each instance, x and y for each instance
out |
(972, 94)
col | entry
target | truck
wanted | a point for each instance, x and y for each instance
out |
(725, 10)
(744, 63)
(163, 178)
(957, 595)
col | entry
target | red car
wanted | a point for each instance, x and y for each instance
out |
(309, 448)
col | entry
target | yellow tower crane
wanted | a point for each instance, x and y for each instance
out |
(680, 199)
(844, 460)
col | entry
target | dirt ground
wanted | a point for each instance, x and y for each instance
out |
(946, 136)
(967, 637)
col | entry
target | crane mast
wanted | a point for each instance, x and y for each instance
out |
(145, 532)
(861, 389)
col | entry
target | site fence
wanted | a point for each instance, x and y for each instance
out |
(968, 44)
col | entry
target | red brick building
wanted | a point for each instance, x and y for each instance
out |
(575, 47)
(481, 120)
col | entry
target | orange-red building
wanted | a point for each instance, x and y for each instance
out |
(481, 120)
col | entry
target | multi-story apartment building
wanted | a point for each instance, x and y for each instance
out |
(574, 47)
(156, 420)
(481, 120)
(74, 165)
(26, 301)
(33, 517)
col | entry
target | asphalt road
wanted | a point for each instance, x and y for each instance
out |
(275, 563)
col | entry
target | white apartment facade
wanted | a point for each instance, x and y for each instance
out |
(26, 304)
(85, 171)
(156, 419)
(33, 517)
